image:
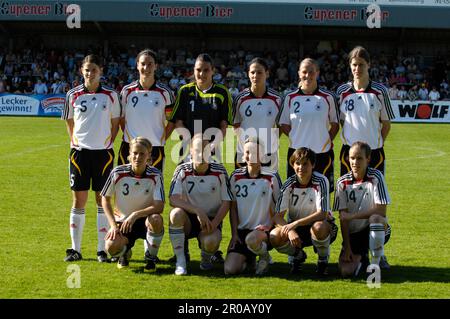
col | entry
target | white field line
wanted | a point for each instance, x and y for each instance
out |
(29, 151)
(429, 153)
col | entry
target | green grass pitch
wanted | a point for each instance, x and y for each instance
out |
(34, 231)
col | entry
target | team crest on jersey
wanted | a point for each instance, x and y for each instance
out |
(318, 107)
(308, 99)
(104, 107)
(269, 113)
(213, 189)
(372, 106)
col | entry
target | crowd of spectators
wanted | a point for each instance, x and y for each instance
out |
(45, 71)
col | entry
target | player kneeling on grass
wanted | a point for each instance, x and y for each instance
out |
(255, 193)
(200, 196)
(305, 196)
(361, 199)
(138, 191)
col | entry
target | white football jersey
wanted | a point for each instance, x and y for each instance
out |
(302, 201)
(359, 196)
(309, 116)
(131, 192)
(92, 114)
(144, 111)
(255, 197)
(362, 113)
(206, 191)
(257, 118)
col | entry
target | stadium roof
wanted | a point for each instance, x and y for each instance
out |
(352, 13)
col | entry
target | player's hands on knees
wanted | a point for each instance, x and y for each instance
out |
(113, 233)
(347, 255)
(285, 229)
(204, 221)
(294, 239)
(262, 228)
(127, 225)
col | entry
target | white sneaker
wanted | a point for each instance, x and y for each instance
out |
(262, 266)
(180, 270)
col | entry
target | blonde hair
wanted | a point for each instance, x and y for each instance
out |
(310, 61)
(144, 142)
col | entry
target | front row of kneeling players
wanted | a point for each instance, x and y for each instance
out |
(201, 195)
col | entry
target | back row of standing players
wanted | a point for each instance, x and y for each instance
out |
(310, 116)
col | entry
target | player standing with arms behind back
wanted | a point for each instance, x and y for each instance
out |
(143, 110)
(254, 113)
(309, 118)
(365, 115)
(202, 106)
(143, 113)
(365, 112)
(92, 114)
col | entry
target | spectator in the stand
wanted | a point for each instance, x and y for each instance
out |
(444, 89)
(233, 89)
(412, 93)
(57, 87)
(28, 87)
(402, 94)
(40, 87)
(16, 82)
(282, 75)
(76, 81)
(393, 92)
(423, 92)
(401, 78)
(400, 68)
(2, 86)
(434, 95)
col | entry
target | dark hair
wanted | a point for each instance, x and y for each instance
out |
(359, 52)
(205, 57)
(364, 147)
(260, 61)
(301, 155)
(148, 52)
(93, 58)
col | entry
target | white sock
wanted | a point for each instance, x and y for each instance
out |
(261, 251)
(102, 228)
(176, 235)
(376, 242)
(323, 248)
(287, 249)
(77, 220)
(154, 241)
(145, 245)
